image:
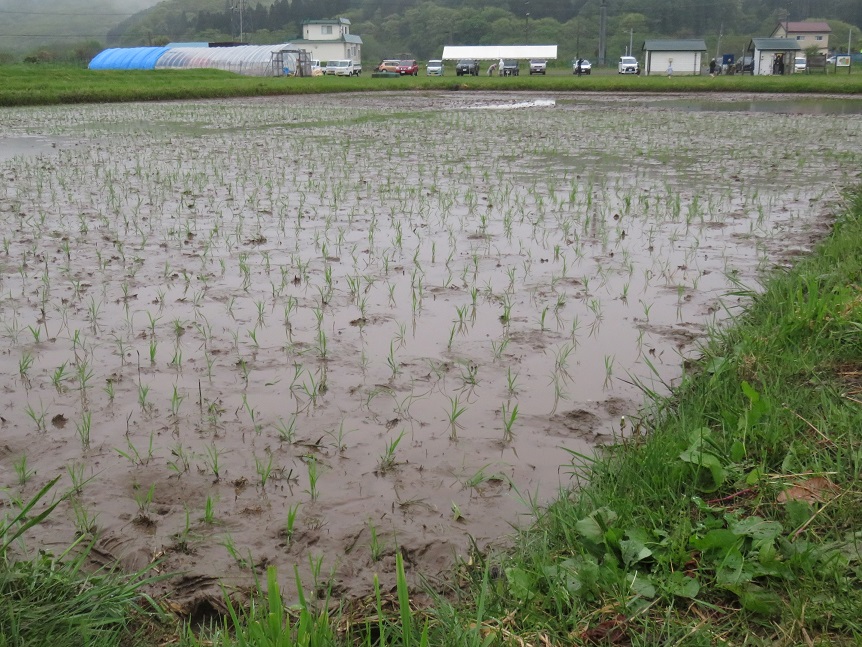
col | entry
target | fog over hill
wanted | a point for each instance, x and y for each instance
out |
(29, 24)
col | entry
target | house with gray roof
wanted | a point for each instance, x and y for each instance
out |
(773, 55)
(684, 56)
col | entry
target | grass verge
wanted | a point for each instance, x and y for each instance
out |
(54, 600)
(26, 85)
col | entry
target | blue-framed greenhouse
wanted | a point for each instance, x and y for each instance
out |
(248, 60)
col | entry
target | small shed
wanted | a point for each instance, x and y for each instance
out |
(773, 55)
(683, 56)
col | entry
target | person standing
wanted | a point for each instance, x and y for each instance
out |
(712, 66)
(580, 67)
(500, 68)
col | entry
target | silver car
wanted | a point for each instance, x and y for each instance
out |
(434, 68)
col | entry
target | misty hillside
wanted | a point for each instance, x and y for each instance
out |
(25, 24)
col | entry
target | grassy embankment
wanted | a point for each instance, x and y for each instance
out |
(730, 516)
(22, 85)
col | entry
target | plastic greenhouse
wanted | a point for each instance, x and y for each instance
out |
(250, 60)
(127, 58)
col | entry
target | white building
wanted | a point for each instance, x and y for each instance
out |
(773, 56)
(329, 40)
(683, 56)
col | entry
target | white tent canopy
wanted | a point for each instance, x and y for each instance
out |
(496, 52)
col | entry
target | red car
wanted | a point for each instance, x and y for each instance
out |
(408, 68)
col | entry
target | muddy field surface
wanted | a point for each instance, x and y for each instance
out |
(313, 330)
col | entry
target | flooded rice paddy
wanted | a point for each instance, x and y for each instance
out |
(313, 330)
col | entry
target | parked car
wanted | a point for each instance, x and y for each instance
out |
(800, 64)
(408, 67)
(745, 64)
(467, 66)
(511, 67)
(586, 66)
(342, 67)
(388, 65)
(434, 68)
(628, 65)
(538, 66)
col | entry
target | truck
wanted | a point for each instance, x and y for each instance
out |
(342, 67)
(467, 66)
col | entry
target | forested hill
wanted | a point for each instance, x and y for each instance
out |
(28, 23)
(421, 27)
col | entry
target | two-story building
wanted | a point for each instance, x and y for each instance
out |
(807, 34)
(329, 40)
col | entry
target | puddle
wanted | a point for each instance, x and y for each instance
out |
(534, 103)
(26, 146)
(796, 106)
(266, 343)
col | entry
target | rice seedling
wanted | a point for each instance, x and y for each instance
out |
(83, 427)
(263, 467)
(313, 475)
(38, 418)
(510, 415)
(388, 460)
(144, 499)
(209, 510)
(375, 544)
(286, 430)
(22, 471)
(211, 460)
(290, 522)
(455, 411)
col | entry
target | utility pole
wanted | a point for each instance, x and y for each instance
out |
(849, 55)
(578, 41)
(631, 44)
(603, 31)
(526, 24)
(718, 44)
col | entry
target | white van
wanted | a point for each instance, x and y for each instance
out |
(800, 64)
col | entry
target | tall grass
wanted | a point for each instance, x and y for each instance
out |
(55, 600)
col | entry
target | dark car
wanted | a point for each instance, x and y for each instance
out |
(745, 64)
(467, 66)
(511, 67)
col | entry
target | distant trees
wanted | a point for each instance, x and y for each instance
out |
(421, 27)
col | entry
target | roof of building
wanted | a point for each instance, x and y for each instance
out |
(679, 45)
(774, 44)
(346, 38)
(806, 27)
(332, 21)
(496, 52)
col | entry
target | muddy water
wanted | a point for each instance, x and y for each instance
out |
(311, 330)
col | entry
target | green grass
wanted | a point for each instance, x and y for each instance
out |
(23, 85)
(53, 599)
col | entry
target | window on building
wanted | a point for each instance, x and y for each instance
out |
(818, 38)
(326, 30)
(800, 38)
